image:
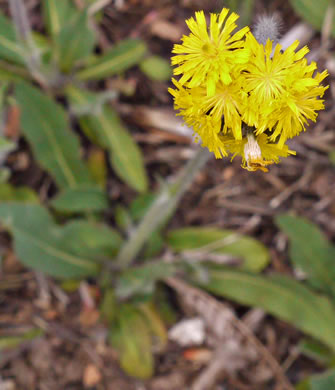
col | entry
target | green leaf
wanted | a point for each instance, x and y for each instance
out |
(123, 219)
(310, 251)
(75, 42)
(15, 341)
(17, 194)
(312, 11)
(142, 279)
(255, 255)
(11, 72)
(156, 68)
(6, 146)
(131, 336)
(45, 125)
(108, 307)
(137, 210)
(140, 205)
(106, 129)
(155, 323)
(153, 246)
(93, 239)
(278, 295)
(81, 199)
(317, 351)
(42, 245)
(10, 49)
(325, 381)
(97, 165)
(123, 56)
(57, 14)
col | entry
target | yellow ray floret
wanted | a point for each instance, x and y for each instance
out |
(208, 55)
(282, 90)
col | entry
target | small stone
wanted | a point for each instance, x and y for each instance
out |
(92, 376)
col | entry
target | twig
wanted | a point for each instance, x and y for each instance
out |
(289, 191)
(97, 6)
(228, 329)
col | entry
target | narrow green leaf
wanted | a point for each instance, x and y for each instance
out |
(254, 254)
(106, 129)
(310, 251)
(312, 11)
(10, 49)
(42, 245)
(140, 205)
(75, 42)
(97, 165)
(137, 210)
(317, 351)
(15, 341)
(6, 145)
(131, 336)
(81, 199)
(278, 295)
(93, 239)
(325, 381)
(17, 194)
(123, 56)
(12, 72)
(142, 279)
(57, 14)
(45, 125)
(155, 323)
(156, 68)
(108, 307)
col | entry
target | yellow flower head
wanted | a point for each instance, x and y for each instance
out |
(281, 89)
(243, 97)
(206, 57)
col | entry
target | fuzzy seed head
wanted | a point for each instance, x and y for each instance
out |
(267, 27)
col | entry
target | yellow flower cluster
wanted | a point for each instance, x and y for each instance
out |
(240, 96)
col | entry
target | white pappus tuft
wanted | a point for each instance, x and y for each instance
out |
(267, 27)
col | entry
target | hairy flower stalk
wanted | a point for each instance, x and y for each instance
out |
(162, 208)
(240, 92)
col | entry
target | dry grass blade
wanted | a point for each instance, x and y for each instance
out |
(241, 347)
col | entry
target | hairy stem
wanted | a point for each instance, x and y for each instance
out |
(162, 208)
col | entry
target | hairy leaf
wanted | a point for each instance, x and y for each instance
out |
(156, 68)
(204, 240)
(81, 199)
(123, 56)
(105, 128)
(17, 194)
(10, 49)
(310, 251)
(45, 125)
(325, 381)
(142, 279)
(278, 295)
(42, 245)
(93, 239)
(57, 14)
(75, 42)
(131, 336)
